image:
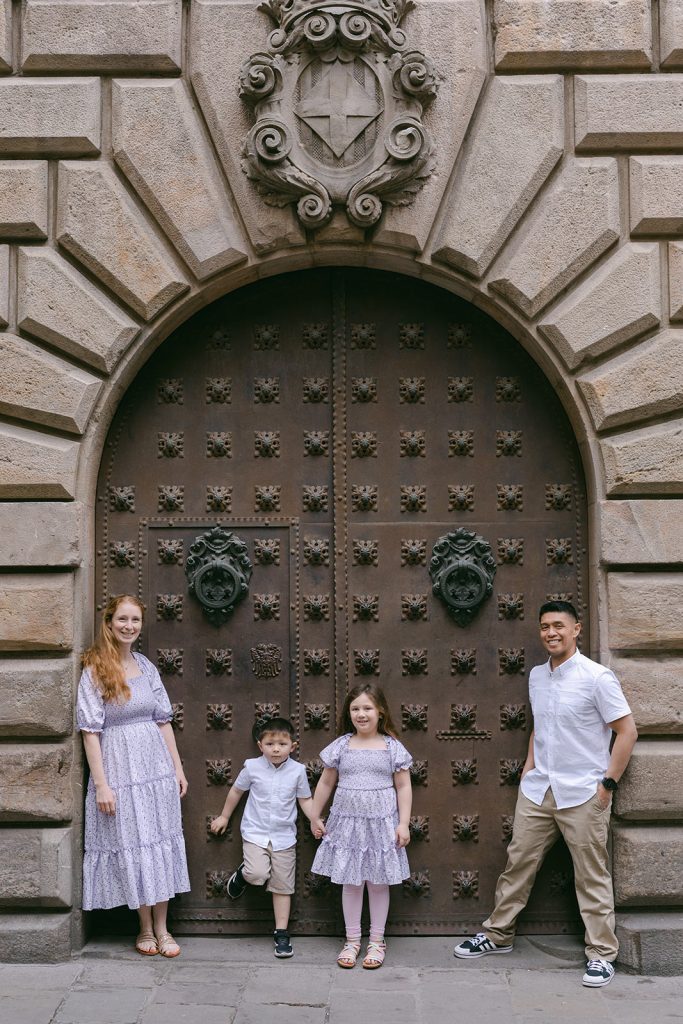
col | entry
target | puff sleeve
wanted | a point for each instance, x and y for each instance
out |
(89, 705)
(163, 712)
(330, 754)
(401, 759)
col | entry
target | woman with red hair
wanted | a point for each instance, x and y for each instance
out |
(134, 846)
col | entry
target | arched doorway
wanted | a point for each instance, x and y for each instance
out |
(335, 424)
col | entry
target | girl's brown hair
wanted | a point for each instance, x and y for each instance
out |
(385, 724)
(104, 658)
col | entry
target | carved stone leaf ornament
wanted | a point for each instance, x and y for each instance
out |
(462, 569)
(338, 99)
(218, 571)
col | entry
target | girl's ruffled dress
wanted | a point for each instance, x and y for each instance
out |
(360, 844)
(136, 856)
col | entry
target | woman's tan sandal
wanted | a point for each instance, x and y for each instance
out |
(349, 954)
(168, 946)
(374, 955)
(147, 939)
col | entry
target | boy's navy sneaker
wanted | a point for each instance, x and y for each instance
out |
(236, 884)
(598, 972)
(283, 945)
(479, 945)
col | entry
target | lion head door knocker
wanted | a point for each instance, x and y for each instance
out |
(338, 98)
(218, 571)
(462, 568)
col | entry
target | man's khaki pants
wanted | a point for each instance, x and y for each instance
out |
(584, 829)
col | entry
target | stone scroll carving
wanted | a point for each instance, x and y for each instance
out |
(218, 571)
(338, 98)
(462, 569)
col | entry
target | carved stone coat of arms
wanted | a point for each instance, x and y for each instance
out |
(338, 98)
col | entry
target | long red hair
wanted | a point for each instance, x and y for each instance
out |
(376, 695)
(104, 658)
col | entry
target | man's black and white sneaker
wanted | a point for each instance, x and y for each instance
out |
(236, 884)
(283, 946)
(598, 972)
(478, 946)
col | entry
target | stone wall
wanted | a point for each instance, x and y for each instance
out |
(556, 205)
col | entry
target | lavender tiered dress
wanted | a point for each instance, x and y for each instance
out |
(360, 844)
(136, 856)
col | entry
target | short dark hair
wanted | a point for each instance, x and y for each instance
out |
(559, 606)
(272, 725)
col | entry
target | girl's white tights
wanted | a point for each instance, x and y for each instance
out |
(352, 905)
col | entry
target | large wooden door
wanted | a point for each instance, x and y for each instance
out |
(337, 424)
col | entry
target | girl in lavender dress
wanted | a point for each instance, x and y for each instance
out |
(367, 829)
(134, 847)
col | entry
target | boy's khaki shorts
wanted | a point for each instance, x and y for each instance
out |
(264, 865)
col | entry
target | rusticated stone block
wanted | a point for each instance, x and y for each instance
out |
(676, 281)
(62, 307)
(628, 111)
(223, 34)
(671, 34)
(160, 147)
(36, 696)
(35, 465)
(453, 33)
(654, 689)
(35, 938)
(576, 221)
(517, 141)
(37, 386)
(648, 866)
(5, 35)
(40, 533)
(23, 199)
(114, 35)
(100, 225)
(656, 185)
(643, 793)
(618, 302)
(637, 385)
(651, 944)
(35, 782)
(566, 34)
(645, 611)
(35, 867)
(4, 285)
(36, 612)
(647, 461)
(644, 532)
(50, 116)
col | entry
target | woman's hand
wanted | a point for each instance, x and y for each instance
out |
(181, 780)
(402, 835)
(318, 827)
(105, 798)
(219, 825)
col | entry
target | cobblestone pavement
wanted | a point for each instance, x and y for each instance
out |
(238, 981)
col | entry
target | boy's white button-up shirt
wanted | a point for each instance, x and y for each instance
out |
(571, 707)
(270, 813)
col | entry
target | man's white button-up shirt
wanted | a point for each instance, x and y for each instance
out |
(571, 706)
(270, 813)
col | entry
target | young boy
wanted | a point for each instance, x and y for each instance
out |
(275, 783)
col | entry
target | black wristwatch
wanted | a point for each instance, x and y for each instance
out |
(610, 784)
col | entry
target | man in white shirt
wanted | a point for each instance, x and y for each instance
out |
(566, 788)
(275, 784)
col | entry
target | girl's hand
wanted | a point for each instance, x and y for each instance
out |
(105, 798)
(219, 825)
(181, 780)
(402, 835)
(318, 828)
